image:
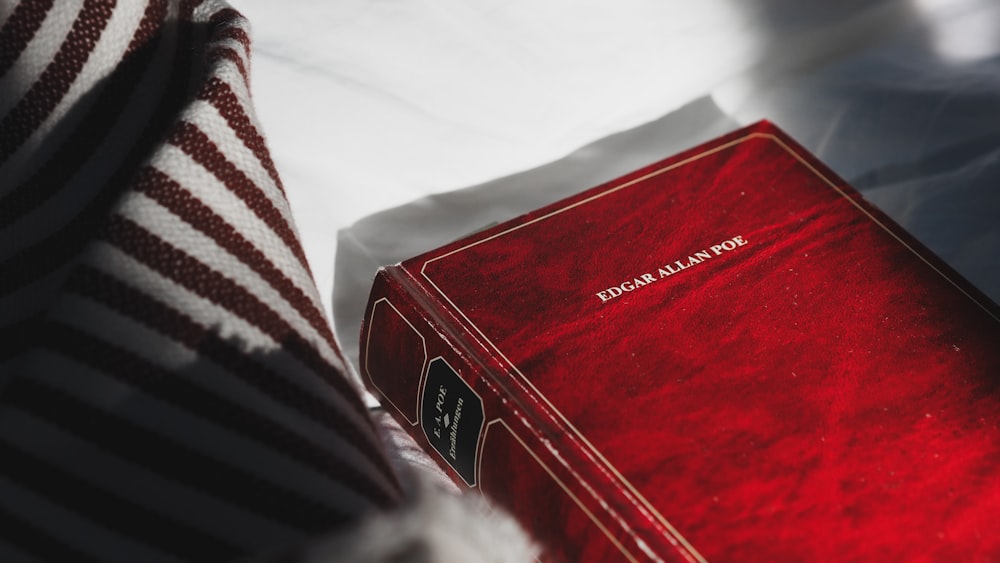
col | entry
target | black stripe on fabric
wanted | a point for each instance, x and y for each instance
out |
(35, 541)
(18, 336)
(19, 29)
(172, 460)
(108, 510)
(160, 317)
(184, 395)
(177, 265)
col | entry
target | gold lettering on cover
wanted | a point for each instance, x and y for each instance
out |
(453, 435)
(672, 268)
(438, 405)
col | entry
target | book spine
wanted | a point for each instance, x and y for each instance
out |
(458, 409)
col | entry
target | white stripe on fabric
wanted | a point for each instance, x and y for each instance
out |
(7, 8)
(241, 52)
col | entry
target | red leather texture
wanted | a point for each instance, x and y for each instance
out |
(727, 355)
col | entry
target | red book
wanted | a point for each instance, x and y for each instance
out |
(727, 355)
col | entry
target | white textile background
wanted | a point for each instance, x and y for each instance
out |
(400, 125)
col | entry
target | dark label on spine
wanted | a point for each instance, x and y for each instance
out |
(452, 418)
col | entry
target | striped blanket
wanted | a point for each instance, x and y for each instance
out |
(170, 388)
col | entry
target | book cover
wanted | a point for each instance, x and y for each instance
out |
(726, 355)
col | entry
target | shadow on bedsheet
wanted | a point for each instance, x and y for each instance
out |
(946, 198)
(399, 233)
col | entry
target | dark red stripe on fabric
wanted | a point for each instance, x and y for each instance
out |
(217, 54)
(55, 80)
(172, 460)
(224, 16)
(183, 204)
(218, 93)
(200, 279)
(35, 541)
(160, 317)
(19, 29)
(204, 151)
(85, 140)
(236, 34)
(152, 19)
(55, 250)
(184, 395)
(108, 509)
(227, 22)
